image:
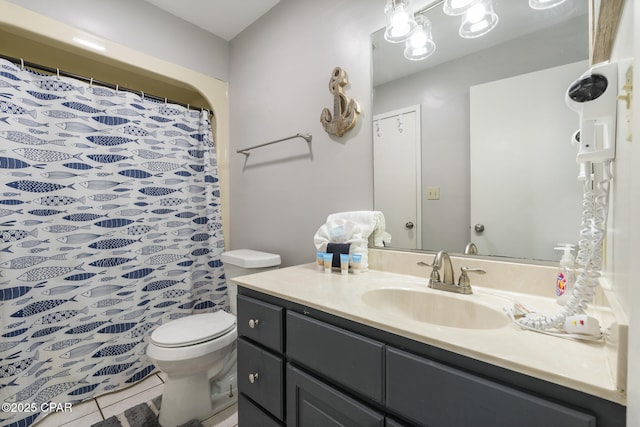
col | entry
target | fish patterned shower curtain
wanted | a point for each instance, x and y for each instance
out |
(110, 225)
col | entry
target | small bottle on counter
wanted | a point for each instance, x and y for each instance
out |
(328, 260)
(320, 260)
(566, 276)
(356, 260)
(344, 263)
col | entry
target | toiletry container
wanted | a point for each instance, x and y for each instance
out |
(566, 276)
(198, 352)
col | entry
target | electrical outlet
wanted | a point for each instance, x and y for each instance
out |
(433, 193)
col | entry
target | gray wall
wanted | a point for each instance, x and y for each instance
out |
(143, 27)
(443, 93)
(280, 70)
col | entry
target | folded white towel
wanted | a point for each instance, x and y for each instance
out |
(358, 228)
(372, 224)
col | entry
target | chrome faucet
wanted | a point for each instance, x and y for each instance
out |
(443, 261)
(471, 249)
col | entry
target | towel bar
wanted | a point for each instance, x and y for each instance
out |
(246, 151)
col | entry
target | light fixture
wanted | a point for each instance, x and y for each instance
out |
(478, 20)
(400, 22)
(420, 45)
(457, 7)
(544, 4)
(402, 26)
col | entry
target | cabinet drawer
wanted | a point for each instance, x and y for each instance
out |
(251, 415)
(435, 395)
(348, 359)
(267, 373)
(311, 402)
(261, 322)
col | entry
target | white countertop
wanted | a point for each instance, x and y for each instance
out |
(579, 365)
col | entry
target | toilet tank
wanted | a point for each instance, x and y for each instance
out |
(245, 261)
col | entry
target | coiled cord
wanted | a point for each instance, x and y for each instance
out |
(595, 210)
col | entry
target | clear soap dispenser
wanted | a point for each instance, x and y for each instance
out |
(566, 276)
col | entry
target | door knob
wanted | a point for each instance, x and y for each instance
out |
(479, 228)
(409, 225)
(253, 323)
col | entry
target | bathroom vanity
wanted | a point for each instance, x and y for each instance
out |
(313, 349)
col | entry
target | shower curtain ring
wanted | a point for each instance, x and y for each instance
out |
(117, 87)
(142, 96)
(91, 82)
(22, 64)
(58, 73)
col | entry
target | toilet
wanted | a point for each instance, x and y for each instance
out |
(198, 352)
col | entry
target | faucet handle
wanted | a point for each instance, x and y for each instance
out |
(435, 273)
(464, 278)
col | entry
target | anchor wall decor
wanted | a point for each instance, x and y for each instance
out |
(345, 110)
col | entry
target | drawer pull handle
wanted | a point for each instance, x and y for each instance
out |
(253, 378)
(253, 323)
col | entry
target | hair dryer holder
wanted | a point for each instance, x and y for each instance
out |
(594, 97)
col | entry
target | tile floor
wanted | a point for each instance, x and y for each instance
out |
(92, 411)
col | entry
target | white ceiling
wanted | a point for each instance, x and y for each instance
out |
(224, 18)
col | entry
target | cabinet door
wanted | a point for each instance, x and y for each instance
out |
(346, 358)
(252, 416)
(437, 395)
(311, 403)
(261, 376)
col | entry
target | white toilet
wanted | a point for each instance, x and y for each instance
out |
(198, 352)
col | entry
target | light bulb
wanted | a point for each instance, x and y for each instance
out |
(400, 22)
(420, 45)
(418, 39)
(476, 13)
(457, 7)
(478, 21)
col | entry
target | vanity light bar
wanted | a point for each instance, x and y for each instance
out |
(478, 19)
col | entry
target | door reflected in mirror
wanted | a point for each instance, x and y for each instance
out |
(492, 139)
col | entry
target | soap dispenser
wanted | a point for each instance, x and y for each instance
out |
(566, 276)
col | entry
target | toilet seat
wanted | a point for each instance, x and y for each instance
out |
(193, 329)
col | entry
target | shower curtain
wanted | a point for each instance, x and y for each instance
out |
(110, 225)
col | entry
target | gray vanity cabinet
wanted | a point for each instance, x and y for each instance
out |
(251, 415)
(261, 322)
(434, 394)
(260, 363)
(264, 375)
(311, 402)
(357, 366)
(316, 369)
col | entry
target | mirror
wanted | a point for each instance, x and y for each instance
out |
(486, 121)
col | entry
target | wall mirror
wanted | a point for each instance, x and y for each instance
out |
(472, 144)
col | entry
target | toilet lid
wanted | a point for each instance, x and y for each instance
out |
(194, 329)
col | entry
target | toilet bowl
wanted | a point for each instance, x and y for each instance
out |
(198, 352)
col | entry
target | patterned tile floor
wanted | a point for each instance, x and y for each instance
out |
(103, 407)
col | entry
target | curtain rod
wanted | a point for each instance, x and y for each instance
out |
(56, 71)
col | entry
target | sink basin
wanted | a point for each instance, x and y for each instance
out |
(438, 309)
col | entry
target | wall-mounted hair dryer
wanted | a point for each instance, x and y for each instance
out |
(594, 97)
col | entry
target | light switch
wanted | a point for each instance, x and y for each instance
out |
(433, 193)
